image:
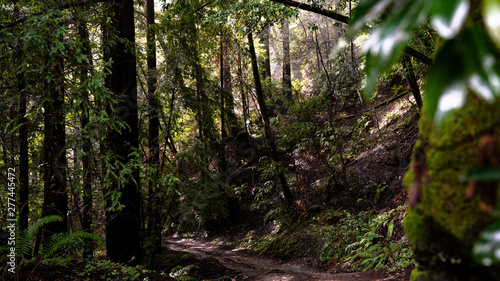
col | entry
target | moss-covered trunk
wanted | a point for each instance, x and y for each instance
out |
(443, 224)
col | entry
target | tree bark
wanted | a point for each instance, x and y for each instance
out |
(287, 71)
(412, 80)
(55, 198)
(153, 245)
(23, 156)
(267, 50)
(222, 113)
(86, 213)
(243, 95)
(123, 226)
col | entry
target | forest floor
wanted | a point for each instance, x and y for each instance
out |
(245, 265)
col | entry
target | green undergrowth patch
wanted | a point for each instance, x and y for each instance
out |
(367, 240)
(353, 242)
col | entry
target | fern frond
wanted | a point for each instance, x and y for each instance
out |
(57, 241)
(25, 239)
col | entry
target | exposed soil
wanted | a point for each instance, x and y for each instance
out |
(249, 266)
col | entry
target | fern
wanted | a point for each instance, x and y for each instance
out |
(56, 242)
(25, 240)
(52, 245)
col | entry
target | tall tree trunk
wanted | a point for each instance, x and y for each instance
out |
(320, 59)
(267, 50)
(153, 243)
(222, 112)
(55, 197)
(244, 102)
(232, 124)
(412, 80)
(123, 226)
(86, 213)
(23, 151)
(267, 127)
(287, 71)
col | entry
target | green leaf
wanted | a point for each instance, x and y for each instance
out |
(364, 13)
(445, 89)
(448, 16)
(491, 15)
(390, 230)
(467, 62)
(481, 173)
(487, 248)
(388, 40)
(483, 68)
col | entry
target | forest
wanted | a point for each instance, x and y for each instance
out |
(250, 140)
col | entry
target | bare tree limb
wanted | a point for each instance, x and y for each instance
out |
(315, 9)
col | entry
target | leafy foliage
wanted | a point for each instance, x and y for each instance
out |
(26, 238)
(56, 249)
(366, 240)
(182, 273)
(108, 270)
(466, 61)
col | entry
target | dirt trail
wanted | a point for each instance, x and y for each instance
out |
(253, 267)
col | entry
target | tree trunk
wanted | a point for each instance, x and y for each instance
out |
(123, 225)
(222, 147)
(287, 71)
(55, 198)
(23, 153)
(267, 127)
(232, 124)
(267, 50)
(153, 243)
(86, 217)
(243, 95)
(412, 80)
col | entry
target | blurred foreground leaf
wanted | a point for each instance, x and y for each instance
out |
(482, 173)
(487, 248)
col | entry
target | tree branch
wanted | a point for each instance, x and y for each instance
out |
(315, 9)
(343, 19)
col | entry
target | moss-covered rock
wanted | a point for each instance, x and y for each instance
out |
(444, 225)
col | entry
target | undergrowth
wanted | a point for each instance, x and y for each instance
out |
(355, 242)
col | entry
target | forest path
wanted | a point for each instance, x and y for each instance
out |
(254, 267)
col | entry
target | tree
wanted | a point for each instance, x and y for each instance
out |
(23, 148)
(287, 71)
(123, 217)
(289, 200)
(55, 198)
(267, 58)
(86, 213)
(154, 227)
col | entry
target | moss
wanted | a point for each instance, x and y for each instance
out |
(417, 275)
(443, 212)
(415, 230)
